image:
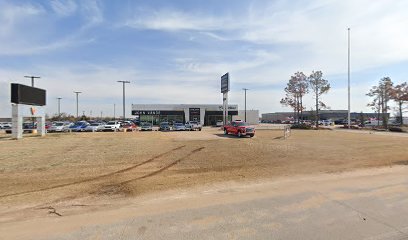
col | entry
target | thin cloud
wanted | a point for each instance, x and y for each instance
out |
(64, 8)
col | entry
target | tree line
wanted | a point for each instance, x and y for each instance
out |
(298, 86)
(385, 91)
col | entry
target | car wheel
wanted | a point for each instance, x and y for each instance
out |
(199, 129)
(225, 132)
(252, 135)
(239, 134)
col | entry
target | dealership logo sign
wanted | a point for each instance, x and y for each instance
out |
(33, 110)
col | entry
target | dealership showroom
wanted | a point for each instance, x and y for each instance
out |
(206, 114)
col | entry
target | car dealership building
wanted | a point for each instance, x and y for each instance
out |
(206, 114)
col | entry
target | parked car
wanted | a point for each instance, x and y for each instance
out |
(79, 126)
(219, 123)
(59, 127)
(129, 126)
(95, 127)
(326, 122)
(193, 125)
(5, 125)
(111, 126)
(145, 126)
(164, 126)
(179, 127)
(239, 128)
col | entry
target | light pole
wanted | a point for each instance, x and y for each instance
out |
(59, 107)
(77, 93)
(32, 79)
(245, 89)
(123, 83)
(348, 79)
(114, 111)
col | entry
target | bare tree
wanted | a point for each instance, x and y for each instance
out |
(400, 96)
(382, 94)
(319, 87)
(295, 90)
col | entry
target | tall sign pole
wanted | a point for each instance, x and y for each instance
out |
(124, 112)
(348, 80)
(225, 88)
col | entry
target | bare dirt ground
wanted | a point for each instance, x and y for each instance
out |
(65, 174)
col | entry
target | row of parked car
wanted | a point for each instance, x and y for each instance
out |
(94, 126)
(176, 126)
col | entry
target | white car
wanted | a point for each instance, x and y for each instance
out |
(219, 123)
(193, 125)
(5, 125)
(111, 126)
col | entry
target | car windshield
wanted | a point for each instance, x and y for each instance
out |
(59, 124)
(242, 124)
(146, 124)
(111, 123)
(95, 124)
(178, 124)
(164, 124)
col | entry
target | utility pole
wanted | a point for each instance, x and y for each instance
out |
(59, 107)
(348, 78)
(124, 112)
(32, 79)
(245, 89)
(77, 103)
(101, 115)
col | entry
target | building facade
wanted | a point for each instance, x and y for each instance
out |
(206, 114)
(252, 116)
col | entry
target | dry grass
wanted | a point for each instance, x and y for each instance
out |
(61, 167)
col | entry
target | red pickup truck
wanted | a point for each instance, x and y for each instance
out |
(240, 129)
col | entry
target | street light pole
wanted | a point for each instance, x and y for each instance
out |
(245, 89)
(77, 103)
(114, 111)
(124, 112)
(59, 107)
(348, 79)
(32, 79)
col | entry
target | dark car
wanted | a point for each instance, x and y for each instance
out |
(164, 126)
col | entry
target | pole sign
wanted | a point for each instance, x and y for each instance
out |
(225, 86)
(22, 94)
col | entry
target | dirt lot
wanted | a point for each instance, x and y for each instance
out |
(84, 171)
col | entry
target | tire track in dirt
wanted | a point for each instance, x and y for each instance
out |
(94, 178)
(164, 168)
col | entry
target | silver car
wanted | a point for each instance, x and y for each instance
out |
(146, 127)
(59, 127)
(179, 127)
(95, 127)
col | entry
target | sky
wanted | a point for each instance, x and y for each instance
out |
(177, 51)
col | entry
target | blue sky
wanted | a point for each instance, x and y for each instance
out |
(176, 51)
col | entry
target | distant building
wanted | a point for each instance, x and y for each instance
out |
(5, 119)
(309, 115)
(252, 116)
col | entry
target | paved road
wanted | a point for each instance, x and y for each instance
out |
(366, 204)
